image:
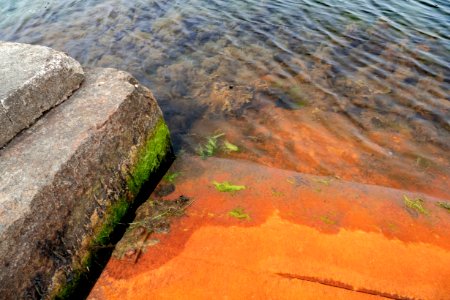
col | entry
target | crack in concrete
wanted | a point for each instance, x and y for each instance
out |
(341, 285)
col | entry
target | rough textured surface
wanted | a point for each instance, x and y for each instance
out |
(33, 79)
(287, 235)
(61, 177)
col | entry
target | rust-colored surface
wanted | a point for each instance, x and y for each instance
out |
(315, 141)
(307, 237)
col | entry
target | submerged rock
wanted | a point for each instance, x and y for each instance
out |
(287, 236)
(227, 98)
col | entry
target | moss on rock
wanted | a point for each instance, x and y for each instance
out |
(145, 161)
(149, 157)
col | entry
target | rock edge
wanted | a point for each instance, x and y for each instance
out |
(33, 80)
(68, 180)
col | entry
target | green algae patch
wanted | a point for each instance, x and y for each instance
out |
(215, 144)
(147, 160)
(301, 103)
(210, 147)
(415, 204)
(229, 147)
(67, 291)
(149, 157)
(101, 239)
(326, 182)
(171, 176)
(239, 213)
(113, 217)
(444, 205)
(228, 187)
(423, 163)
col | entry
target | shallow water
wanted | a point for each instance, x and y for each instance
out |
(357, 90)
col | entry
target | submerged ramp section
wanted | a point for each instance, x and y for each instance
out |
(33, 80)
(67, 181)
(253, 232)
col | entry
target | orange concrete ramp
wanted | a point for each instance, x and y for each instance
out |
(288, 236)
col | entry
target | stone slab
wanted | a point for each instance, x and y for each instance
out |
(286, 235)
(60, 177)
(33, 79)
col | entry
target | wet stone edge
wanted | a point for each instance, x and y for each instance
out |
(150, 163)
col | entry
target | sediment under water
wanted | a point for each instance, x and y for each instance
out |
(357, 90)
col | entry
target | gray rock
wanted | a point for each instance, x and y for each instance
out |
(33, 79)
(61, 178)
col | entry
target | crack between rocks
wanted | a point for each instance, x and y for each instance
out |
(42, 115)
(344, 286)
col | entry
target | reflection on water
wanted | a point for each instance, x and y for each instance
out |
(358, 90)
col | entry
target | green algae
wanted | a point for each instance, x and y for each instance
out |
(444, 205)
(149, 157)
(239, 213)
(324, 181)
(67, 291)
(296, 92)
(210, 147)
(228, 187)
(113, 217)
(327, 220)
(301, 103)
(171, 176)
(229, 147)
(156, 211)
(423, 163)
(415, 204)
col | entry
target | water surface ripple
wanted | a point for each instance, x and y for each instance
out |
(357, 90)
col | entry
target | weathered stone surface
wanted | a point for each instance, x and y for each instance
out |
(62, 177)
(33, 79)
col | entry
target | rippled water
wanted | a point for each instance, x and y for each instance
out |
(357, 90)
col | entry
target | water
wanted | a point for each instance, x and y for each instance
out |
(357, 90)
